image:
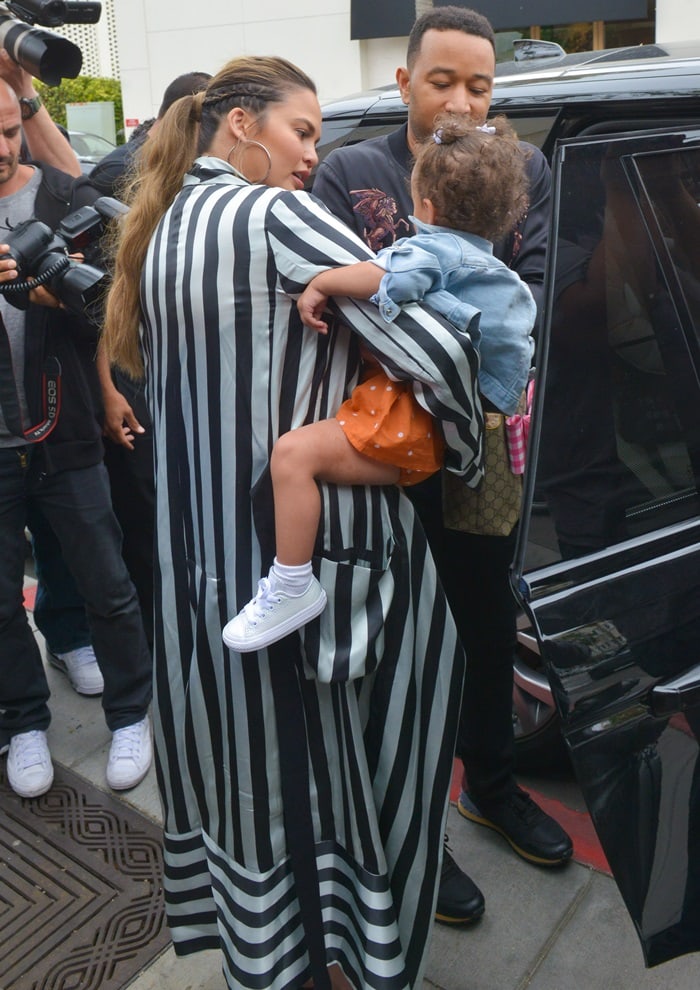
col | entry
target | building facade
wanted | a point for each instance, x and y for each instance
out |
(345, 45)
(99, 43)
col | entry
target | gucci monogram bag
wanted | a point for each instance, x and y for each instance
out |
(493, 508)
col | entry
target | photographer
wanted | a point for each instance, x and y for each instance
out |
(59, 612)
(62, 473)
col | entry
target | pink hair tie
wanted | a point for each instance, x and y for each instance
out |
(437, 136)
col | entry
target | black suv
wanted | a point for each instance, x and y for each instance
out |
(608, 564)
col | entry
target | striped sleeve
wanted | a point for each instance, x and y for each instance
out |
(307, 239)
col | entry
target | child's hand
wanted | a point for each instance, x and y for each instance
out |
(311, 304)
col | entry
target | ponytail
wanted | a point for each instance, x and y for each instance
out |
(185, 132)
(163, 161)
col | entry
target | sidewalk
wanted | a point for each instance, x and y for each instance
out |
(543, 929)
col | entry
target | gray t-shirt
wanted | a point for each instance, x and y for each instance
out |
(14, 209)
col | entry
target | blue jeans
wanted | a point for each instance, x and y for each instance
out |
(77, 506)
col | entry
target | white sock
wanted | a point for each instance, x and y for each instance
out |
(292, 579)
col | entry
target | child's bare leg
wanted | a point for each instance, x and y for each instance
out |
(291, 596)
(317, 452)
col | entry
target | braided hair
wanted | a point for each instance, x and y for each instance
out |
(186, 131)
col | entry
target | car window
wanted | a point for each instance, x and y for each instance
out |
(335, 133)
(90, 144)
(338, 131)
(671, 181)
(98, 145)
(533, 129)
(341, 131)
(79, 145)
(619, 450)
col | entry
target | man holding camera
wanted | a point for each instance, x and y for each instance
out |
(51, 456)
(59, 611)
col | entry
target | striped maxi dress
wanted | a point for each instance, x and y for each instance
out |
(229, 368)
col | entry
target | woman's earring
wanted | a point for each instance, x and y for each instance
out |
(242, 145)
(230, 150)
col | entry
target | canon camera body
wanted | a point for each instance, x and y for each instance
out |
(43, 257)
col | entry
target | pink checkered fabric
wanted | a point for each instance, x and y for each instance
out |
(517, 433)
(517, 442)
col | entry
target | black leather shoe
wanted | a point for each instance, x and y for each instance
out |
(531, 833)
(460, 902)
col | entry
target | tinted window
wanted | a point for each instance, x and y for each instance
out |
(619, 446)
(671, 182)
(534, 130)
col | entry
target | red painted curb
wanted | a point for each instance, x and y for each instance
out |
(29, 594)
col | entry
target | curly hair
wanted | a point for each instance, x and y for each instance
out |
(474, 175)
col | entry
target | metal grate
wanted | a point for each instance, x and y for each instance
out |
(81, 901)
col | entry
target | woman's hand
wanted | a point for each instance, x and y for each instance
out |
(311, 304)
(120, 423)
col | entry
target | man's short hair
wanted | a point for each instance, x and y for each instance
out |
(184, 85)
(448, 19)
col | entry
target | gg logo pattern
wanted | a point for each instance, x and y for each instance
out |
(493, 508)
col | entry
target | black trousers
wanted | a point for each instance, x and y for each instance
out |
(133, 498)
(475, 571)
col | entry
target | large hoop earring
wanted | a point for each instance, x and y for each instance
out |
(249, 142)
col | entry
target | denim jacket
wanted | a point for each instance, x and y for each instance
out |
(453, 271)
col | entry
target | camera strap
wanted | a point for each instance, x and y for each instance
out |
(9, 399)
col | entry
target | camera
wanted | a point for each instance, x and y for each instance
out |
(44, 54)
(43, 254)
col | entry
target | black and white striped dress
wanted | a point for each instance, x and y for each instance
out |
(380, 673)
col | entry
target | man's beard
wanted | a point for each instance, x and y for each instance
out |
(8, 167)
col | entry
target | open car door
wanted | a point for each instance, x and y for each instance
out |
(608, 563)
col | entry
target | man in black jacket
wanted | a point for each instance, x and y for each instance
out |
(450, 68)
(51, 455)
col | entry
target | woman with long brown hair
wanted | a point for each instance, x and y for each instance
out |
(304, 786)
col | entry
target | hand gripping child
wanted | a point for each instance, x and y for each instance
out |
(468, 187)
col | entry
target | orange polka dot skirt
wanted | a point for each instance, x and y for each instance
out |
(382, 420)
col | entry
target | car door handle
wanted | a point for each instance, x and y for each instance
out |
(678, 694)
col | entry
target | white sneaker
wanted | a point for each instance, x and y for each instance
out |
(130, 755)
(29, 767)
(272, 615)
(81, 667)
